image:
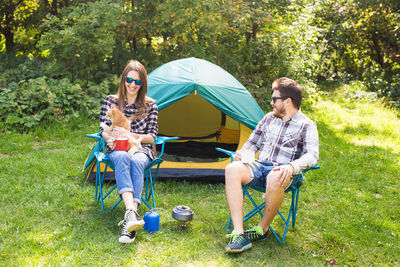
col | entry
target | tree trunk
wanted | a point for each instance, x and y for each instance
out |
(53, 9)
(9, 36)
(7, 30)
(148, 38)
(377, 49)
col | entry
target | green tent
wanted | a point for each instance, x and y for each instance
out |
(205, 106)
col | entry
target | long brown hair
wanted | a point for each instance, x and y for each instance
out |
(142, 102)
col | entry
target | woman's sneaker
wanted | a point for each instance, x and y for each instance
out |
(238, 243)
(127, 237)
(255, 233)
(132, 220)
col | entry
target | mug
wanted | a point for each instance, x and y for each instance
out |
(121, 144)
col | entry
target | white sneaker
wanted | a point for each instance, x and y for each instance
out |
(132, 220)
(127, 237)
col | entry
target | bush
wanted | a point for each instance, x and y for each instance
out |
(43, 100)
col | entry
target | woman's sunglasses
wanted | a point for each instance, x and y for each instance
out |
(130, 80)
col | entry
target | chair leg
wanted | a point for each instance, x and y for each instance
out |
(116, 204)
(295, 206)
(228, 228)
(258, 209)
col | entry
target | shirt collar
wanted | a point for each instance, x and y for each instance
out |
(297, 116)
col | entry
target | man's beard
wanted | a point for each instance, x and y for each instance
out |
(279, 113)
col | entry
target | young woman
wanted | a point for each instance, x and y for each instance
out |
(132, 101)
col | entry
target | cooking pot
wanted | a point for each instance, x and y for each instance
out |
(182, 213)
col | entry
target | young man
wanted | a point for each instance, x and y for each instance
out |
(288, 143)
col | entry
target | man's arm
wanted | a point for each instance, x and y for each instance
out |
(253, 143)
(310, 150)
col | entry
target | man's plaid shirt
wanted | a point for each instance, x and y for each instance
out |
(146, 125)
(293, 142)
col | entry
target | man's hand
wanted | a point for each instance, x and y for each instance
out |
(286, 174)
(111, 143)
(238, 155)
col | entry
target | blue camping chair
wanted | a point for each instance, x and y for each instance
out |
(258, 208)
(99, 155)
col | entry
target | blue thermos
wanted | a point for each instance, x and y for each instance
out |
(151, 221)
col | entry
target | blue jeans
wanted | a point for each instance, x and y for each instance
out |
(129, 172)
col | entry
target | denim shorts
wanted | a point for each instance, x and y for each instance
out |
(259, 171)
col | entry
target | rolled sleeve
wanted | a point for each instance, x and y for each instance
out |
(310, 148)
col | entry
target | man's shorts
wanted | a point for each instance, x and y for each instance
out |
(259, 171)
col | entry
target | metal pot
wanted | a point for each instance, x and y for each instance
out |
(182, 213)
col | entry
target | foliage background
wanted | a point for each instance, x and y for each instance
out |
(59, 58)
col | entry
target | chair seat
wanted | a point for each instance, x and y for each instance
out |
(100, 157)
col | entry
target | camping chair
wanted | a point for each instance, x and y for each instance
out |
(99, 155)
(258, 208)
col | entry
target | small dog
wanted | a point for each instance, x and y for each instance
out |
(118, 119)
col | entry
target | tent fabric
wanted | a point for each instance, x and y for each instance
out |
(206, 105)
(179, 78)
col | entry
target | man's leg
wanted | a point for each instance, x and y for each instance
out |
(236, 174)
(274, 195)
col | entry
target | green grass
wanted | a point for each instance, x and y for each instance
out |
(348, 210)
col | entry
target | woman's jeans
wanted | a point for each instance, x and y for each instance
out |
(129, 172)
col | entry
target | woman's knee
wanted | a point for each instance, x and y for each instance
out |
(140, 161)
(119, 156)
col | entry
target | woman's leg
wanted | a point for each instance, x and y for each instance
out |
(139, 162)
(121, 162)
(132, 221)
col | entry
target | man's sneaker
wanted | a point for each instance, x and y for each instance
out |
(132, 220)
(127, 237)
(238, 243)
(255, 233)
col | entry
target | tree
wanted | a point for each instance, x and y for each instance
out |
(80, 40)
(361, 39)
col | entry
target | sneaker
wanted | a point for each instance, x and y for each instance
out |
(127, 237)
(132, 220)
(255, 233)
(238, 243)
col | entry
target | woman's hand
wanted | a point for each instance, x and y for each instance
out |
(111, 143)
(120, 131)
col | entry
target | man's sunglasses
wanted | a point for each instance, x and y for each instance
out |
(274, 98)
(130, 80)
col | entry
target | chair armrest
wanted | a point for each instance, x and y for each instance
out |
(311, 168)
(96, 136)
(229, 153)
(99, 138)
(161, 140)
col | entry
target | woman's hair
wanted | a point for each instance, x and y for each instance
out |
(142, 102)
(290, 88)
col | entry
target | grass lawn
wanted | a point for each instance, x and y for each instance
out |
(349, 210)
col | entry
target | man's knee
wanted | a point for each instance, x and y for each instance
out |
(236, 171)
(273, 181)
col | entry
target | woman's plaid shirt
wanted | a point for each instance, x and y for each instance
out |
(146, 125)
